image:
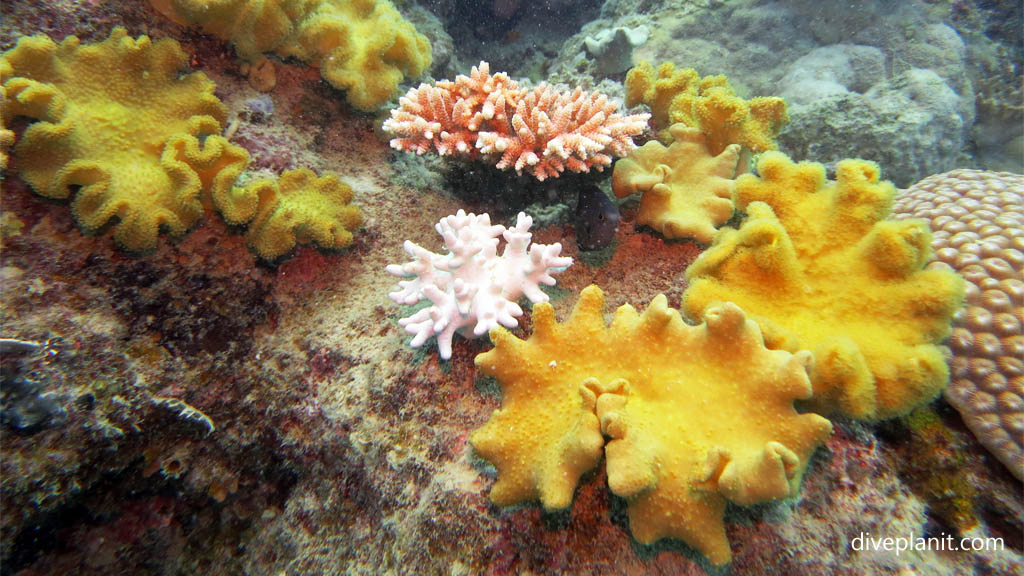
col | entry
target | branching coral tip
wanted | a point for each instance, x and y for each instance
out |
(471, 288)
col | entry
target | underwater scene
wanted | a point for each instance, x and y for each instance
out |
(495, 287)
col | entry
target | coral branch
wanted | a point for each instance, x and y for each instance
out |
(549, 130)
(472, 289)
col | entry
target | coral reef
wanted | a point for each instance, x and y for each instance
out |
(197, 411)
(24, 405)
(998, 133)
(364, 46)
(100, 140)
(829, 71)
(697, 415)
(687, 191)
(913, 125)
(472, 289)
(123, 334)
(543, 131)
(301, 208)
(819, 268)
(709, 104)
(511, 34)
(978, 223)
(122, 131)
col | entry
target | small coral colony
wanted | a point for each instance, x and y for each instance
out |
(815, 296)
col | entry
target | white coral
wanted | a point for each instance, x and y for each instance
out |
(472, 289)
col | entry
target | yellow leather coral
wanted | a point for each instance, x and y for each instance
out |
(819, 267)
(687, 192)
(301, 208)
(362, 46)
(708, 104)
(120, 130)
(6, 135)
(6, 140)
(697, 415)
(658, 89)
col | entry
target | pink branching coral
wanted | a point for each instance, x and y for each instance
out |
(542, 131)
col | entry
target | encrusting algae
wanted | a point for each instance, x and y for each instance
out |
(697, 416)
(819, 267)
(936, 470)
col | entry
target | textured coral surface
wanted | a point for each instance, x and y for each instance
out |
(544, 131)
(978, 223)
(687, 191)
(6, 135)
(301, 208)
(708, 104)
(689, 430)
(471, 288)
(118, 131)
(819, 267)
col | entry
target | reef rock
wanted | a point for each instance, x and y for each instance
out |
(911, 125)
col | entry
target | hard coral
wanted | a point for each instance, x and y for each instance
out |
(978, 219)
(697, 415)
(687, 191)
(301, 208)
(471, 286)
(543, 131)
(121, 131)
(362, 46)
(819, 268)
(708, 104)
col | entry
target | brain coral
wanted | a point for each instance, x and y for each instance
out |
(301, 208)
(697, 415)
(120, 129)
(362, 46)
(978, 223)
(687, 192)
(819, 268)
(708, 104)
